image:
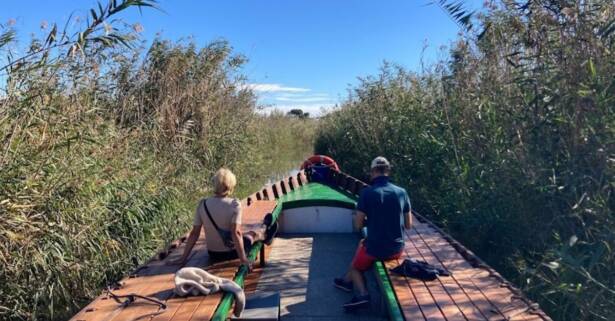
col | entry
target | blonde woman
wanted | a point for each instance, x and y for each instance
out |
(220, 215)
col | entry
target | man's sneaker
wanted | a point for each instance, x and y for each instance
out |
(270, 233)
(343, 285)
(357, 302)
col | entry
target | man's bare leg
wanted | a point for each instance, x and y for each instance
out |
(357, 279)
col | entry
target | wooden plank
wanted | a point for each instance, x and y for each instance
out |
(180, 308)
(455, 304)
(277, 190)
(502, 298)
(409, 306)
(302, 178)
(101, 307)
(528, 317)
(426, 302)
(439, 292)
(166, 288)
(422, 297)
(155, 272)
(244, 203)
(292, 183)
(464, 274)
(268, 192)
(285, 187)
(161, 287)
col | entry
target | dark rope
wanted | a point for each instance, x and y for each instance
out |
(126, 300)
(132, 297)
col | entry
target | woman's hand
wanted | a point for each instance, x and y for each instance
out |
(247, 263)
(192, 238)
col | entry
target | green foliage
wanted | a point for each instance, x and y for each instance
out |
(458, 12)
(289, 138)
(298, 113)
(510, 145)
(103, 155)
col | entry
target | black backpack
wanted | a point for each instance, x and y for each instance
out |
(419, 270)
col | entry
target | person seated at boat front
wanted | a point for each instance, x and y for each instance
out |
(221, 218)
(384, 208)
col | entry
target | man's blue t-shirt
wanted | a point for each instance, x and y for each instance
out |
(384, 203)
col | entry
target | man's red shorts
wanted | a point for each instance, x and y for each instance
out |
(362, 261)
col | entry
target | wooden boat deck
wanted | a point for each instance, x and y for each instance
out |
(302, 267)
(156, 280)
(470, 293)
(473, 292)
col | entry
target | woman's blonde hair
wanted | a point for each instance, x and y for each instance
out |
(224, 182)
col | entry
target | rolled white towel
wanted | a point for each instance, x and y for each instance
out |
(191, 280)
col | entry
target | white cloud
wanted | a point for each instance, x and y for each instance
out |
(284, 98)
(298, 98)
(299, 95)
(275, 88)
(305, 99)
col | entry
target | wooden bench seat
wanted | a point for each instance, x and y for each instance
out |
(470, 293)
(156, 280)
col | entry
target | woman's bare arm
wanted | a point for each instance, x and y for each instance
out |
(192, 238)
(238, 241)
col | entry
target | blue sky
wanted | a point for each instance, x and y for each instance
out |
(302, 53)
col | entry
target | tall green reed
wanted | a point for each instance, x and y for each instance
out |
(105, 148)
(509, 144)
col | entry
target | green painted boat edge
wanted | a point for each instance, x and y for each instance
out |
(315, 202)
(226, 302)
(394, 310)
(386, 287)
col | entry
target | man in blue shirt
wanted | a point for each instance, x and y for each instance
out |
(384, 208)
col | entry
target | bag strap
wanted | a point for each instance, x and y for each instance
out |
(211, 218)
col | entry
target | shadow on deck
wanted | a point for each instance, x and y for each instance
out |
(302, 268)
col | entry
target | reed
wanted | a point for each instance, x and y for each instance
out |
(106, 147)
(509, 144)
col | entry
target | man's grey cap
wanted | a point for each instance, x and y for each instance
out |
(380, 162)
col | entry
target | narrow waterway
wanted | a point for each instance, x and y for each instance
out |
(278, 176)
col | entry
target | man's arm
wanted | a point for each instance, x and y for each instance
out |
(192, 238)
(359, 219)
(407, 221)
